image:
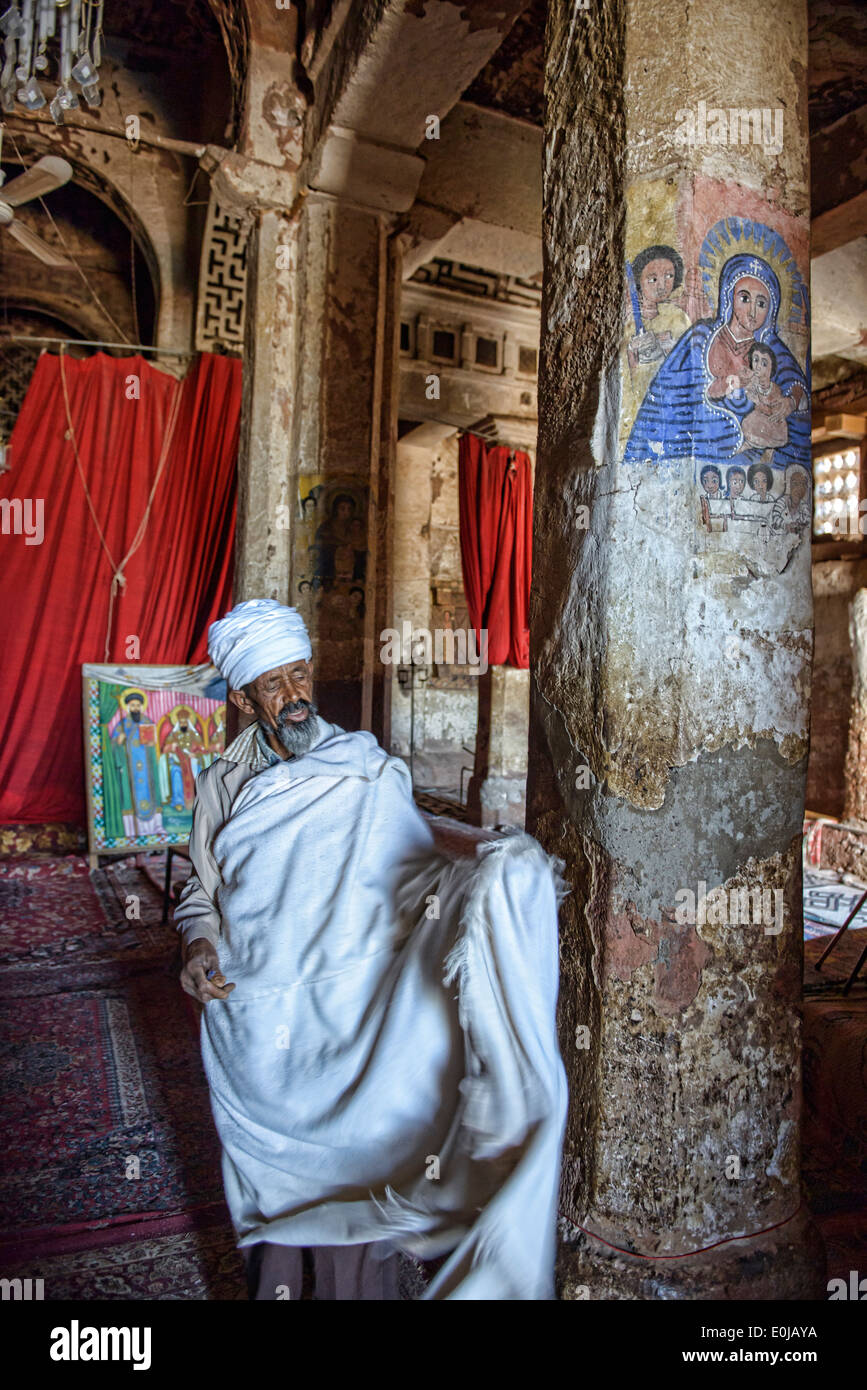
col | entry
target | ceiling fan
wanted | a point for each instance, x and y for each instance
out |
(43, 177)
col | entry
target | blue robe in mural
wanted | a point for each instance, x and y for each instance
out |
(135, 759)
(679, 419)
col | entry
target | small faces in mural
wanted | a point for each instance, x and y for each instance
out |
(711, 481)
(761, 480)
(758, 502)
(793, 511)
(736, 481)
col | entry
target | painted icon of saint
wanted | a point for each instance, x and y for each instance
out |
(184, 751)
(134, 743)
(697, 403)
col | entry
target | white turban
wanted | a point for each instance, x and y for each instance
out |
(255, 637)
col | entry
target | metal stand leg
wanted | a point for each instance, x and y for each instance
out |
(167, 890)
(853, 977)
(834, 939)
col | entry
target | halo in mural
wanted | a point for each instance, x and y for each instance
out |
(734, 236)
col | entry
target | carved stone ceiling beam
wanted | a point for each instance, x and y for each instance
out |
(387, 71)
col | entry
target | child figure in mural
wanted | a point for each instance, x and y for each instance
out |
(765, 425)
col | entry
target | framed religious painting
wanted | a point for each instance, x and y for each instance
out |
(148, 732)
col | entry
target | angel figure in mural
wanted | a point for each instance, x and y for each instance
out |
(656, 322)
(654, 275)
(698, 402)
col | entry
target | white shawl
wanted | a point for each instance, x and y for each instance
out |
(381, 1072)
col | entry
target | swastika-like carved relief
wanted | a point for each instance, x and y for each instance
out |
(222, 283)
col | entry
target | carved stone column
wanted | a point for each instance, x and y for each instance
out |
(671, 633)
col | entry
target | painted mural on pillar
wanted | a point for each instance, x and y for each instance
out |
(331, 539)
(715, 371)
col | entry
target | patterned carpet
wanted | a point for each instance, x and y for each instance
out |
(110, 1176)
(828, 902)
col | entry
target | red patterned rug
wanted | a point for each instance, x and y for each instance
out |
(109, 1141)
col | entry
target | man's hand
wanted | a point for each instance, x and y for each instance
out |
(200, 957)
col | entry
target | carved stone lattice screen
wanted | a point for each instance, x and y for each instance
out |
(17, 364)
(222, 283)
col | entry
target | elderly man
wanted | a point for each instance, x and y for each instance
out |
(379, 1034)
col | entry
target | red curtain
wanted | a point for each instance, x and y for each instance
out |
(496, 515)
(57, 592)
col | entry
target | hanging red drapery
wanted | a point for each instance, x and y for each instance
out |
(57, 593)
(496, 516)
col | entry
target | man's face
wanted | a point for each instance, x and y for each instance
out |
(761, 484)
(282, 701)
(134, 707)
(711, 484)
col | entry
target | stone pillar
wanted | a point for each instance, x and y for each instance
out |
(265, 500)
(315, 470)
(671, 634)
(497, 790)
(411, 567)
(855, 807)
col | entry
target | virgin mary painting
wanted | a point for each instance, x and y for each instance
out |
(696, 403)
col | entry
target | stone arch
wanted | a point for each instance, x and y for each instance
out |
(87, 178)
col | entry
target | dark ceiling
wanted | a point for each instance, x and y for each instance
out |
(513, 80)
(169, 24)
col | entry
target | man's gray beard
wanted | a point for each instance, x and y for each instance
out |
(297, 738)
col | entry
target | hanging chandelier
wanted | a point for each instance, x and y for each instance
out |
(73, 29)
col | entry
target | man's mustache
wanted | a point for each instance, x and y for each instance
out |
(293, 707)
